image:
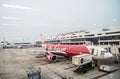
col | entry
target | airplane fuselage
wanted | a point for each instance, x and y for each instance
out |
(73, 50)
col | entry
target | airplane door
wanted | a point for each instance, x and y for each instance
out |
(94, 52)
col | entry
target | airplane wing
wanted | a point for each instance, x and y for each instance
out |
(43, 53)
(36, 51)
(48, 52)
(57, 53)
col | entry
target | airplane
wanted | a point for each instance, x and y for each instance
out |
(54, 50)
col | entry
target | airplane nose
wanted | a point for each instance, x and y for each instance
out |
(108, 55)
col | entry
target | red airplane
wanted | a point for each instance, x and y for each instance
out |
(53, 50)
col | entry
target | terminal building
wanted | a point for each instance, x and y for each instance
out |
(106, 38)
(109, 36)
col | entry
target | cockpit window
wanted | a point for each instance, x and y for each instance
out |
(103, 52)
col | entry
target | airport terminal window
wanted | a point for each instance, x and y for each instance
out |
(87, 32)
(80, 36)
(73, 36)
(8, 43)
(105, 29)
(113, 32)
(99, 34)
(90, 35)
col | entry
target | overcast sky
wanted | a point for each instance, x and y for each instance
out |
(25, 20)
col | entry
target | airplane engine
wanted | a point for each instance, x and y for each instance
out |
(51, 57)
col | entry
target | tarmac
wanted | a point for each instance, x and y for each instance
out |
(15, 62)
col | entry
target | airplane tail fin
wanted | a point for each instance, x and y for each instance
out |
(42, 41)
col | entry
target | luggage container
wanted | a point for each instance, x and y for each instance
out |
(81, 59)
(83, 62)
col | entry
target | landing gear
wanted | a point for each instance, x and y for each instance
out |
(95, 62)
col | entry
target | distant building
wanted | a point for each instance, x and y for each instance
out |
(6, 44)
(37, 44)
(22, 45)
(97, 36)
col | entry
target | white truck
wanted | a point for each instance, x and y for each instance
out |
(83, 62)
